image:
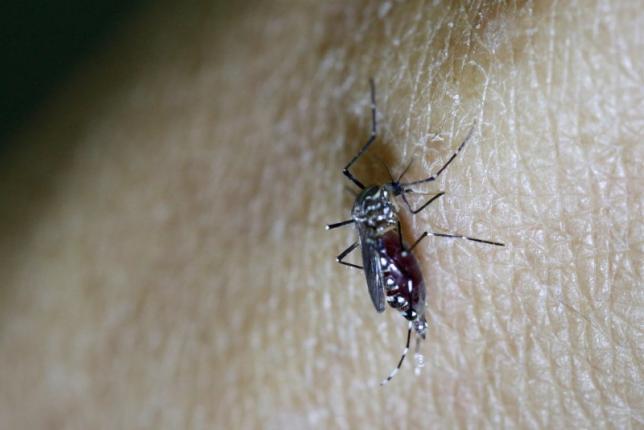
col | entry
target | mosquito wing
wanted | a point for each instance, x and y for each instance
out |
(373, 272)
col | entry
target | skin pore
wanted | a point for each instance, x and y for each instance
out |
(164, 258)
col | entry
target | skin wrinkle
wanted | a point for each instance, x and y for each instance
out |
(172, 270)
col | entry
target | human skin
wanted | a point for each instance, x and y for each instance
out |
(164, 261)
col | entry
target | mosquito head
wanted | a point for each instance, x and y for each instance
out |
(376, 209)
(395, 188)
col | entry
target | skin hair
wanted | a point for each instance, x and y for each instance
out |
(164, 259)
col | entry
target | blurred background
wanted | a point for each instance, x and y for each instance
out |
(41, 43)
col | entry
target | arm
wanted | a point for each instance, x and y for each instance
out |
(166, 262)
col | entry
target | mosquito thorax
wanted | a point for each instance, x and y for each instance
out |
(376, 209)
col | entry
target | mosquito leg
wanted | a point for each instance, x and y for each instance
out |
(427, 203)
(346, 171)
(400, 238)
(422, 236)
(402, 358)
(346, 252)
(473, 239)
(339, 224)
(433, 177)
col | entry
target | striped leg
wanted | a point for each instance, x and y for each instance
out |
(458, 236)
(402, 358)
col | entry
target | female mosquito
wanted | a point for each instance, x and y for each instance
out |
(391, 269)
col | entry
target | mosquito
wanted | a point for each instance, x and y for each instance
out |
(391, 270)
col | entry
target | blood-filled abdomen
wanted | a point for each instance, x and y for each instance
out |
(402, 277)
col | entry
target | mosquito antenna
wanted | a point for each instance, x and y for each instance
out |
(380, 160)
(405, 171)
(402, 358)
